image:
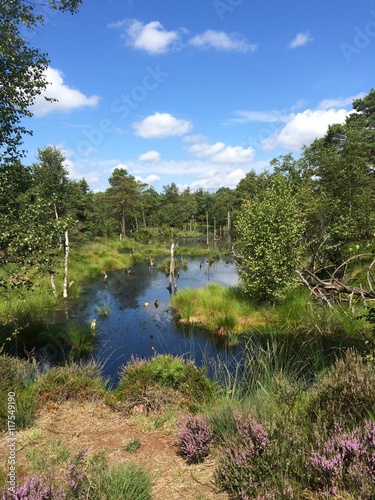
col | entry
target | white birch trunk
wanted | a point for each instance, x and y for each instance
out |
(66, 265)
(53, 284)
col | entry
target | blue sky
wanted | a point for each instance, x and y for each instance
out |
(197, 92)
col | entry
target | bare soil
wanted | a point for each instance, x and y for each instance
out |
(97, 427)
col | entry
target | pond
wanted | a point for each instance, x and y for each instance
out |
(132, 329)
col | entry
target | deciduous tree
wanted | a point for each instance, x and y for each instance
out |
(268, 247)
(22, 68)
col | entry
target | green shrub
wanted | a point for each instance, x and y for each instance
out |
(133, 445)
(103, 310)
(26, 407)
(72, 380)
(141, 377)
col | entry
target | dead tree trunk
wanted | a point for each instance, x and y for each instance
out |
(336, 290)
(207, 229)
(172, 278)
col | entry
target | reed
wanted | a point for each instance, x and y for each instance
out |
(103, 310)
(81, 339)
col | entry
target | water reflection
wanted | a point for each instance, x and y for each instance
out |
(131, 329)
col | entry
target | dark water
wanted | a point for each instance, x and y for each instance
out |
(131, 329)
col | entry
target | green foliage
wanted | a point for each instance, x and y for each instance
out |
(59, 474)
(17, 376)
(103, 310)
(123, 187)
(269, 233)
(26, 407)
(222, 420)
(209, 308)
(81, 339)
(22, 69)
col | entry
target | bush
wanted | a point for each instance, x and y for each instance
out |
(83, 477)
(37, 488)
(194, 439)
(242, 469)
(81, 339)
(140, 378)
(73, 380)
(345, 461)
(345, 393)
(17, 375)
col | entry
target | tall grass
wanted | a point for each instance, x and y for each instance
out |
(81, 339)
(129, 481)
(219, 309)
(268, 378)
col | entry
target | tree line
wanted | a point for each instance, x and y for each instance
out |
(317, 209)
(309, 217)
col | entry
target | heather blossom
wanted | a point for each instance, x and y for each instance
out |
(347, 458)
(194, 439)
(36, 488)
(242, 468)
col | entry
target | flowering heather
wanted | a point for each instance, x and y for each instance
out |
(35, 488)
(345, 393)
(75, 474)
(194, 439)
(251, 433)
(242, 468)
(346, 460)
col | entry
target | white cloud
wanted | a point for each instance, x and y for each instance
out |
(150, 179)
(217, 180)
(234, 154)
(339, 103)
(194, 138)
(150, 156)
(161, 125)
(68, 98)
(220, 40)
(206, 174)
(304, 128)
(299, 40)
(273, 116)
(221, 153)
(150, 37)
(205, 149)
